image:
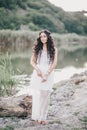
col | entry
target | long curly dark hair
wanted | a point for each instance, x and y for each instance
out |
(38, 45)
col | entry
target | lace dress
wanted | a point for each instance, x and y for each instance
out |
(42, 90)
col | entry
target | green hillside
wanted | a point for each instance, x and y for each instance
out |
(39, 14)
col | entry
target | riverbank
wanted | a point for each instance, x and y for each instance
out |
(67, 109)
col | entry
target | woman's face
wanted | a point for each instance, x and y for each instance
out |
(43, 38)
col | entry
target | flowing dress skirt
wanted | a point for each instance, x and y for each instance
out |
(41, 95)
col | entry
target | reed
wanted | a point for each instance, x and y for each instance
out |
(7, 80)
(22, 40)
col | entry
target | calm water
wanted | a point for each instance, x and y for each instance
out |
(75, 56)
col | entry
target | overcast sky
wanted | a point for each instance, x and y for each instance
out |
(71, 5)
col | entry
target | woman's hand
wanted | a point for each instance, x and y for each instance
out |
(44, 78)
(39, 73)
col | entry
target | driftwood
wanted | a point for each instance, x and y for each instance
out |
(15, 106)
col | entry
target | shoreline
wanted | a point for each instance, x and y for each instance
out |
(68, 105)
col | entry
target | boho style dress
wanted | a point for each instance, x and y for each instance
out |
(42, 90)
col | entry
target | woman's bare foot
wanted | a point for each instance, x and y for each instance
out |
(37, 122)
(44, 122)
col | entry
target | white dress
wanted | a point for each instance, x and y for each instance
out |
(42, 90)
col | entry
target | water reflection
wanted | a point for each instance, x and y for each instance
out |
(76, 58)
(67, 56)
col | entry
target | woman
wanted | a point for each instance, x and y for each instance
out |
(43, 60)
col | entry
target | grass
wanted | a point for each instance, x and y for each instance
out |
(76, 113)
(23, 40)
(7, 128)
(84, 122)
(7, 82)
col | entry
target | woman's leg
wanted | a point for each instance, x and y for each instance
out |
(44, 103)
(35, 105)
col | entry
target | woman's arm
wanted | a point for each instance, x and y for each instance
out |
(33, 61)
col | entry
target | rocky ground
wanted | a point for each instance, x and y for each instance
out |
(67, 109)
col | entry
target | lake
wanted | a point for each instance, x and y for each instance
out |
(71, 59)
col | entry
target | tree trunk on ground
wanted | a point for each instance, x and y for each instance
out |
(15, 106)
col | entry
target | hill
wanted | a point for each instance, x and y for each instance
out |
(39, 14)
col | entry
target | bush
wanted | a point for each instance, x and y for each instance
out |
(33, 27)
(34, 5)
(10, 4)
(8, 21)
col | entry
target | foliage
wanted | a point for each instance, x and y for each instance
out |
(39, 14)
(8, 20)
(7, 128)
(7, 82)
(11, 4)
(84, 122)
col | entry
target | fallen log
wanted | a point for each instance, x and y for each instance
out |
(15, 106)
